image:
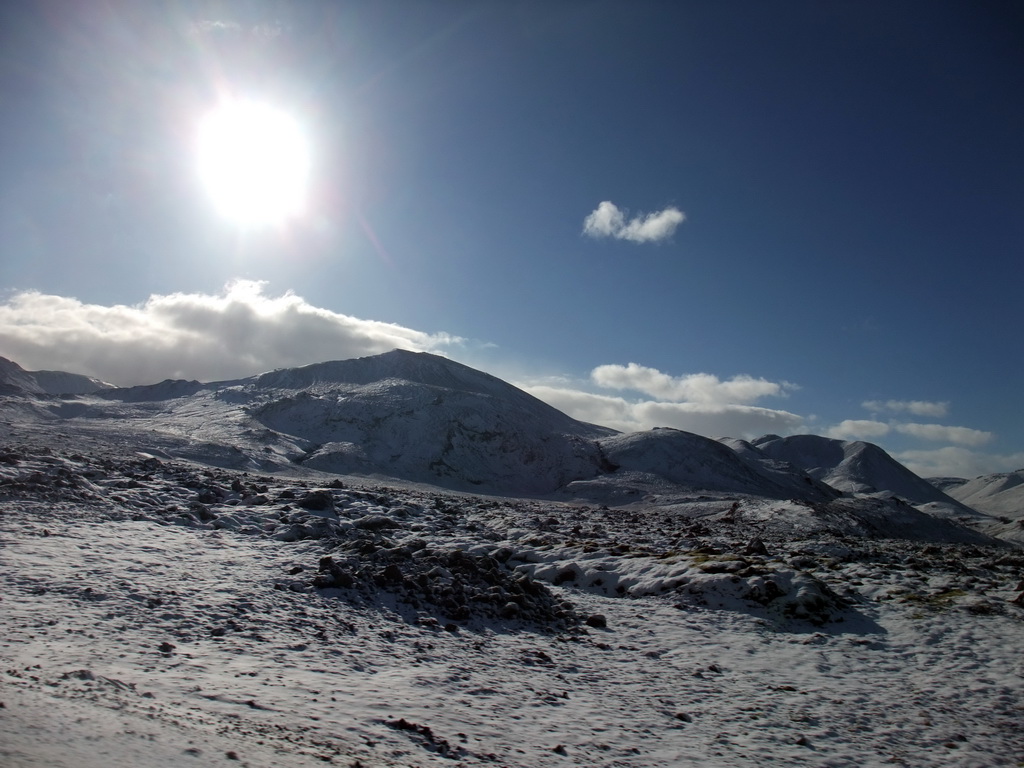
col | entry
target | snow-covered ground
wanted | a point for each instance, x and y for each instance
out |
(158, 612)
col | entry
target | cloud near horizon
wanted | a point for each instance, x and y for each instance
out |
(693, 388)
(952, 461)
(915, 407)
(942, 433)
(700, 402)
(858, 429)
(709, 419)
(608, 220)
(865, 429)
(239, 332)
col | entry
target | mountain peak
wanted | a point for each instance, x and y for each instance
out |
(852, 466)
(15, 380)
(400, 364)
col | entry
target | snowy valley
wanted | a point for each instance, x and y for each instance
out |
(402, 561)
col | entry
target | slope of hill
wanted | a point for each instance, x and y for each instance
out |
(854, 467)
(782, 473)
(64, 383)
(433, 434)
(161, 613)
(416, 417)
(422, 368)
(998, 494)
(421, 418)
(15, 380)
(696, 463)
(428, 419)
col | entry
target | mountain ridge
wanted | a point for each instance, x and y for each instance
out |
(15, 380)
(423, 418)
(853, 467)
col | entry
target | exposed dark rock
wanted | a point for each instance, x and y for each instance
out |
(375, 522)
(755, 547)
(317, 501)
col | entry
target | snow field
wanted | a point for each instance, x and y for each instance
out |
(161, 637)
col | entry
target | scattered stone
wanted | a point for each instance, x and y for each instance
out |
(756, 547)
(597, 620)
(565, 575)
(82, 674)
(210, 496)
(804, 563)
(317, 501)
(429, 740)
(375, 523)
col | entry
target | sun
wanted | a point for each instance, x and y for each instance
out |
(254, 162)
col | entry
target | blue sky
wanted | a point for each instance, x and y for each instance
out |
(839, 187)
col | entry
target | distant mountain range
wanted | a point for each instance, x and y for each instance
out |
(998, 494)
(16, 380)
(422, 418)
(852, 467)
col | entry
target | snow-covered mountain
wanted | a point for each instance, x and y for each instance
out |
(998, 494)
(700, 463)
(786, 475)
(853, 467)
(423, 418)
(16, 380)
(183, 583)
(426, 419)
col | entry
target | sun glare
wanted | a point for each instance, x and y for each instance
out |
(254, 162)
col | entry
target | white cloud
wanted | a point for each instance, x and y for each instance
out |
(653, 227)
(604, 221)
(699, 403)
(607, 220)
(915, 407)
(697, 387)
(940, 433)
(606, 410)
(864, 429)
(858, 429)
(722, 420)
(958, 462)
(238, 332)
(708, 419)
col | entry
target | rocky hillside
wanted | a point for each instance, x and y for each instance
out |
(15, 380)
